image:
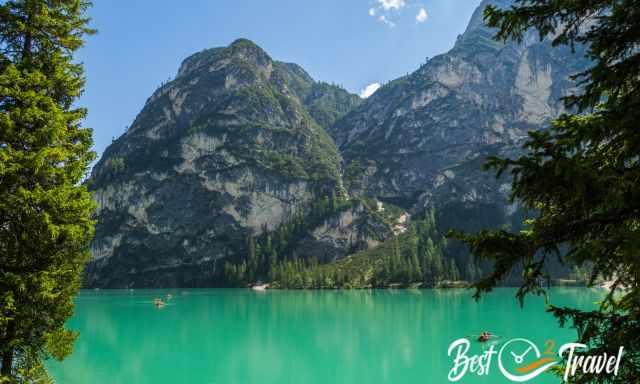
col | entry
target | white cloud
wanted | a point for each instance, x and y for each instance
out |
(385, 20)
(422, 16)
(392, 4)
(369, 90)
(385, 11)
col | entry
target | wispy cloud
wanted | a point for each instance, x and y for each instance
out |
(392, 4)
(369, 90)
(388, 11)
(422, 15)
(383, 19)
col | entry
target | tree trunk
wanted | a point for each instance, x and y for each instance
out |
(7, 355)
(28, 38)
(7, 363)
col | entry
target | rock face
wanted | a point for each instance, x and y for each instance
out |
(232, 147)
(421, 139)
(238, 145)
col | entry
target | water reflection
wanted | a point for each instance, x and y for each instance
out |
(240, 336)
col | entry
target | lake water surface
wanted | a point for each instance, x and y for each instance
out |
(240, 336)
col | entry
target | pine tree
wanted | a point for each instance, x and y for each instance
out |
(252, 255)
(581, 177)
(414, 261)
(453, 271)
(273, 259)
(229, 271)
(243, 273)
(251, 247)
(438, 269)
(268, 246)
(45, 213)
(283, 234)
(471, 271)
(396, 261)
(428, 250)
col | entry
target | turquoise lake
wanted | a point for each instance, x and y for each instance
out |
(230, 336)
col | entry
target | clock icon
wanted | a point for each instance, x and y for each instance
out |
(518, 351)
(520, 358)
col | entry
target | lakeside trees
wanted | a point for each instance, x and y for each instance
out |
(265, 252)
(45, 214)
(581, 177)
(419, 256)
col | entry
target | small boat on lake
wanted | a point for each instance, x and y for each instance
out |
(486, 336)
(159, 303)
(260, 287)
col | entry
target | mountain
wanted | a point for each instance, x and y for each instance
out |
(232, 148)
(420, 140)
(243, 168)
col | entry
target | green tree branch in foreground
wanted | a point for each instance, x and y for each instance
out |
(582, 176)
(45, 214)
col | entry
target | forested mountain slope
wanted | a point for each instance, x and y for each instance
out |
(244, 168)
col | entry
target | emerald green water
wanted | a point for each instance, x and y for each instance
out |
(240, 336)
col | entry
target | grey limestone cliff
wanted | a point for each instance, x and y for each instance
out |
(232, 147)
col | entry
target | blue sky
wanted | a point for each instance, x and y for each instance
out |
(354, 43)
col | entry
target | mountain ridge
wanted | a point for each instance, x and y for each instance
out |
(229, 149)
(245, 168)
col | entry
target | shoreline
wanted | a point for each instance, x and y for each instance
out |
(457, 285)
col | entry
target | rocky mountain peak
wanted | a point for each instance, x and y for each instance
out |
(233, 147)
(236, 147)
(248, 51)
(477, 19)
(241, 52)
(422, 137)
